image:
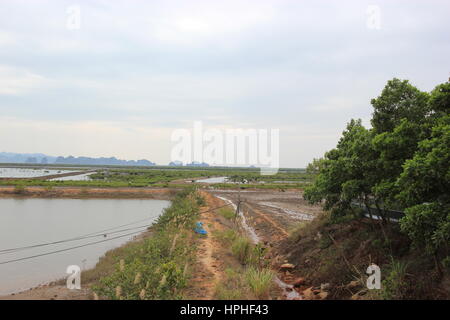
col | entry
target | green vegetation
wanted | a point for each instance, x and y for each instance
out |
(19, 189)
(395, 285)
(401, 163)
(165, 177)
(252, 278)
(226, 237)
(227, 213)
(251, 283)
(241, 248)
(260, 281)
(231, 287)
(158, 266)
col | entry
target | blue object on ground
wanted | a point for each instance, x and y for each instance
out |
(199, 224)
(200, 231)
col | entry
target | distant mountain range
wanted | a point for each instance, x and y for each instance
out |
(40, 158)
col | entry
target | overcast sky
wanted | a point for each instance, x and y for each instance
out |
(136, 70)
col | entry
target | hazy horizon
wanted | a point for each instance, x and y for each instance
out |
(134, 71)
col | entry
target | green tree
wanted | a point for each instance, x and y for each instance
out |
(425, 185)
(401, 163)
(347, 172)
(398, 100)
(315, 166)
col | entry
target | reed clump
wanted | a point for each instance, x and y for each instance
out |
(157, 267)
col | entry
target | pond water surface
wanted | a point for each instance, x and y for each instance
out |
(213, 180)
(29, 172)
(28, 222)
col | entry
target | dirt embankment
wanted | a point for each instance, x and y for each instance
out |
(273, 215)
(212, 257)
(87, 192)
(328, 260)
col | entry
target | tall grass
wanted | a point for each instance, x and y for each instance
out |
(226, 237)
(232, 287)
(253, 278)
(227, 213)
(245, 251)
(260, 281)
(394, 285)
(241, 249)
(156, 268)
(248, 283)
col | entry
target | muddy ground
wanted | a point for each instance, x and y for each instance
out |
(272, 213)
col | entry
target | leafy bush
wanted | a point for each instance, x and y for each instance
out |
(394, 285)
(428, 225)
(401, 163)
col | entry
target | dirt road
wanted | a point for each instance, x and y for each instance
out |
(211, 254)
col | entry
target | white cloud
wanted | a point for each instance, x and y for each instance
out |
(303, 67)
(15, 81)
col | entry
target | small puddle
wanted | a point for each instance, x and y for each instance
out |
(79, 177)
(288, 290)
(213, 180)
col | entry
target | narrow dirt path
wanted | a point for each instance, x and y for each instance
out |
(210, 254)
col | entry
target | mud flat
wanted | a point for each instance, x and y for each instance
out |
(272, 213)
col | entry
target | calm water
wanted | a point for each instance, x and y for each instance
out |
(25, 222)
(213, 180)
(29, 172)
(79, 177)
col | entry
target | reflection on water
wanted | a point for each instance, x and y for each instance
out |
(25, 222)
(29, 172)
(78, 177)
(213, 180)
